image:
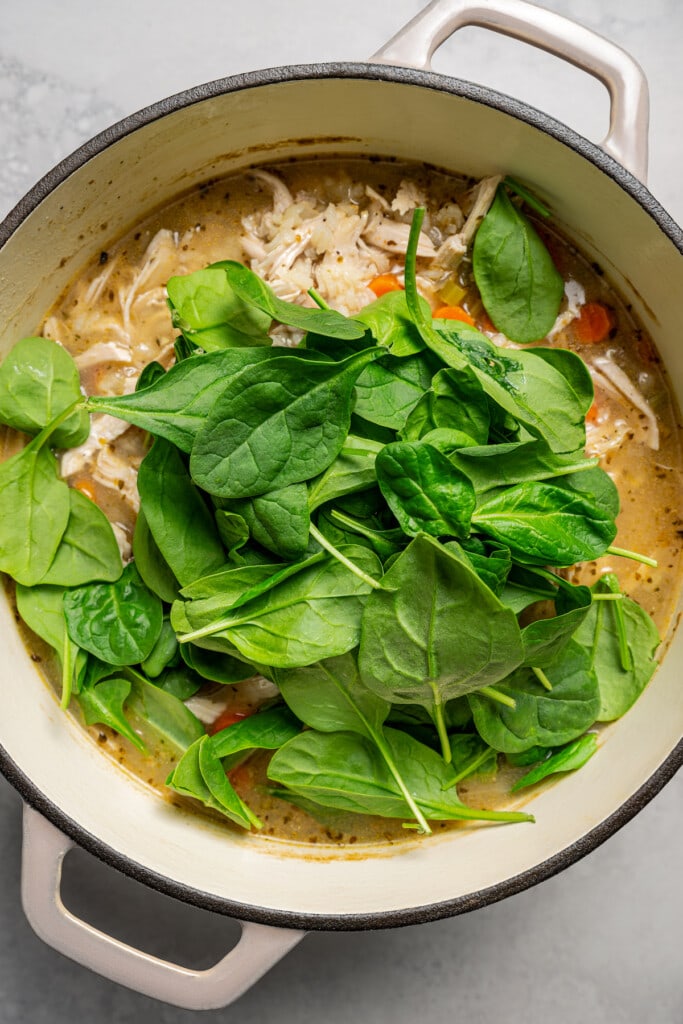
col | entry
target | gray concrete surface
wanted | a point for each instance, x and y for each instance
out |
(599, 943)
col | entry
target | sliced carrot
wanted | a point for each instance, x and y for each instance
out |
(385, 283)
(593, 413)
(453, 313)
(593, 323)
(86, 487)
(226, 718)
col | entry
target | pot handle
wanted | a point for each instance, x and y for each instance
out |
(258, 949)
(627, 138)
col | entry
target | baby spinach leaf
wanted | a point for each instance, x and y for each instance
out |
(278, 520)
(180, 682)
(544, 639)
(102, 703)
(215, 665)
(88, 549)
(330, 697)
(118, 622)
(161, 712)
(385, 542)
(424, 491)
(352, 470)
(249, 287)
(619, 687)
(392, 325)
(178, 518)
(232, 530)
(199, 774)
(566, 759)
(541, 717)
(34, 513)
(595, 484)
(455, 401)
(498, 465)
(278, 423)
(176, 405)
(38, 381)
(346, 771)
(491, 562)
(150, 563)
(312, 615)
(42, 609)
(520, 288)
(207, 310)
(434, 631)
(149, 375)
(575, 372)
(388, 389)
(164, 652)
(266, 730)
(545, 525)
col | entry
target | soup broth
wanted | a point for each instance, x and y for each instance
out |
(342, 228)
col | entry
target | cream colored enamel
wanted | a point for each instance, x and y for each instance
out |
(124, 183)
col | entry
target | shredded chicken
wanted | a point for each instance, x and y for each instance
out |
(612, 378)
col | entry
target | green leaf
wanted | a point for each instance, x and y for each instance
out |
(179, 520)
(541, 717)
(103, 703)
(346, 771)
(88, 550)
(352, 470)
(567, 759)
(520, 288)
(150, 563)
(200, 775)
(232, 530)
(278, 423)
(162, 713)
(215, 665)
(424, 491)
(455, 401)
(164, 652)
(38, 381)
(544, 639)
(34, 513)
(434, 631)
(504, 465)
(118, 622)
(388, 389)
(311, 615)
(265, 730)
(175, 406)
(545, 525)
(207, 310)
(252, 290)
(391, 324)
(278, 520)
(619, 687)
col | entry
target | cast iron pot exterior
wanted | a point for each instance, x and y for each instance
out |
(141, 163)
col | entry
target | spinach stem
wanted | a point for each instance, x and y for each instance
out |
(500, 698)
(608, 597)
(67, 671)
(318, 299)
(625, 657)
(442, 732)
(468, 769)
(47, 431)
(383, 747)
(624, 553)
(351, 566)
(542, 678)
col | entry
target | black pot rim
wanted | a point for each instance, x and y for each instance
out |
(33, 796)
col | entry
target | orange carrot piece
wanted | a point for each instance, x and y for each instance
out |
(85, 487)
(593, 324)
(453, 313)
(225, 719)
(385, 283)
(593, 413)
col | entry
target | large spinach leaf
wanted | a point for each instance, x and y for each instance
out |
(518, 282)
(179, 520)
(278, 423)
(88, 549)
(207, 310)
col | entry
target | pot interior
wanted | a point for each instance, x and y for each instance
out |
(119, 179)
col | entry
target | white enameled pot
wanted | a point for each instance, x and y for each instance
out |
(392, 106)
